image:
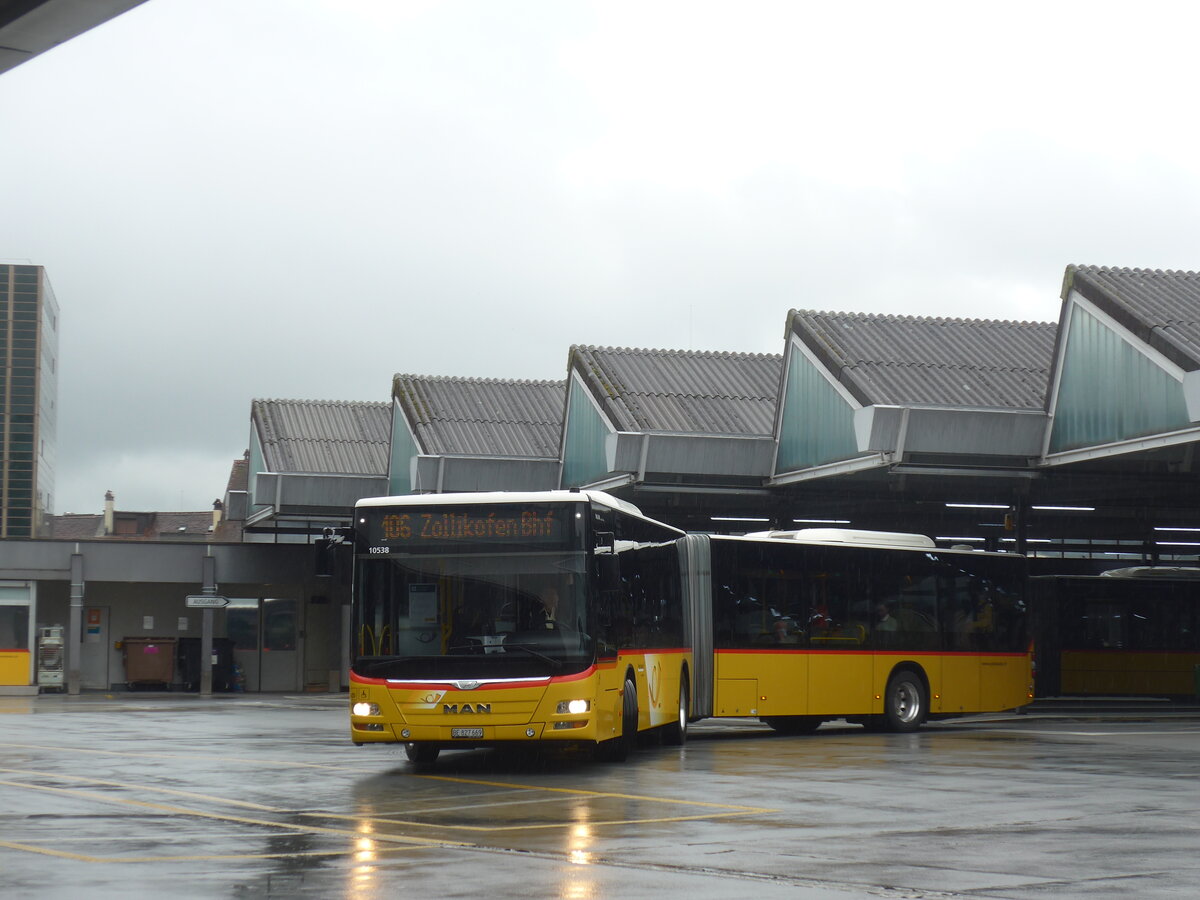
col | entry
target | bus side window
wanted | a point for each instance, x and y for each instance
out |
(607, 603)
(649, 591)
(724, 615)
(965, 603)
(983, 614)
(1105, 624)
(838, 611)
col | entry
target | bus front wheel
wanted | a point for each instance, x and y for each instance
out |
(617, 749)
(905, 704)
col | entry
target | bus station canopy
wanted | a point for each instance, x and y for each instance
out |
(1073, 438)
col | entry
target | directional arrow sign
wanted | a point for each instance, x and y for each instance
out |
(207, 601)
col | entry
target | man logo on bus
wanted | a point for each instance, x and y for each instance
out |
(453, 709)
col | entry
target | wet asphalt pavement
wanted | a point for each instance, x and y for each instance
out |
(244, 796)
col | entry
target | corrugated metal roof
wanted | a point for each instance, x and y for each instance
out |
(941, 362)
(324, 437)
(682, 391)
(482, 416)
(1161, 307)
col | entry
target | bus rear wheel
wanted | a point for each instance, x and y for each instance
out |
(905, 704)
(675, 734)
(422, 756)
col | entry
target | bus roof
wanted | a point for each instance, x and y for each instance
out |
(857, 537)
(494, 497)
(850, 537)
(1181, 573)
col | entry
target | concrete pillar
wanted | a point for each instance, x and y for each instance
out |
(335, 643)
(75, 624)
(209, 586)
(1020, 514)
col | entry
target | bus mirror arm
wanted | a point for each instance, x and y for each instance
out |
(338, 535)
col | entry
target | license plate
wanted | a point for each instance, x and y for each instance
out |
(466, 732)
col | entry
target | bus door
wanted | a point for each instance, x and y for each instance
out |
(265, 635)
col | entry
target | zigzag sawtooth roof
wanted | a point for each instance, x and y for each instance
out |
(683, 391)
(906, 360)
(324, 437)
(482, 416)
(1161, 307)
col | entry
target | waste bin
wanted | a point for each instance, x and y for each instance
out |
(149, 660)
(188, 660)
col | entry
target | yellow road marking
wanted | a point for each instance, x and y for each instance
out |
(591, 823)
(719, 810)
(582, 793)
(145, 787)
(80, 857)
(242, 820)
(46, 851)
(224, 759)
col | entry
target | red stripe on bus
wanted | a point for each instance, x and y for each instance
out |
(1125, 651)
(662, 651)
(1013, 654)
(415, 684)
(554, 679)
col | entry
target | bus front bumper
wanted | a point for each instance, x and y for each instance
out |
(366, 731)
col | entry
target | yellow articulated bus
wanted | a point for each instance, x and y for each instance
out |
(500, 619)
(568, 618)
(872, 627)
(1125, 632)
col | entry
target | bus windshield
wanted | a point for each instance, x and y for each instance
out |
(478, 615)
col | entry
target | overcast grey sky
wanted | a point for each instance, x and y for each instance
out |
(296, 199)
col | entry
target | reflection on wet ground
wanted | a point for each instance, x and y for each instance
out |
(268, 798)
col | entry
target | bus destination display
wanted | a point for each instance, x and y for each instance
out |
(549, 526)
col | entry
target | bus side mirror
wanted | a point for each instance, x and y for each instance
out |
(326, 559)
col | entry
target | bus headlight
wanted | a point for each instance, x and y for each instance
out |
(365, 709)
(574, 707)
